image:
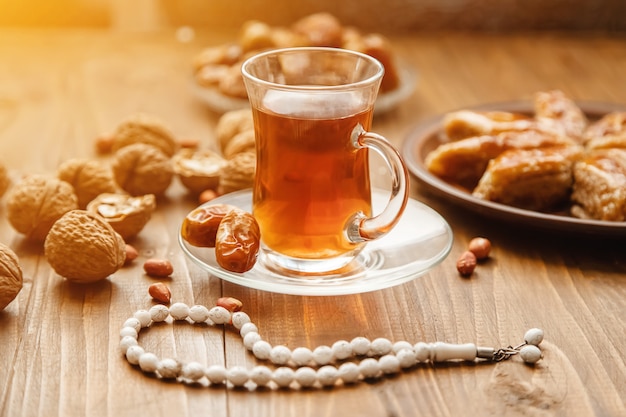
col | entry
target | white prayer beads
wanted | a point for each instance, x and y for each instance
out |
(324, 366)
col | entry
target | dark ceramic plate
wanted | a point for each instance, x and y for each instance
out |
(426, 136)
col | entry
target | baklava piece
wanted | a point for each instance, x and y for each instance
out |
(608, 132)
(533, 179)
(464, 124)
(599, 190)
(463, 162)
(555, 111)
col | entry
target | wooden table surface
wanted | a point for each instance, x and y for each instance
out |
(59, 352)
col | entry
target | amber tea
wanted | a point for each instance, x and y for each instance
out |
(311, 180)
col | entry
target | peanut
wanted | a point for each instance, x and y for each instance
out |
(160, 292)
(229, 303)
(131, 254)
(207, 195)
(480, 247)
(188, 143)
(159, 268)
(104, 143)
(466, 263)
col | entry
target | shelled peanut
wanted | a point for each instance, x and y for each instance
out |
(478, 249)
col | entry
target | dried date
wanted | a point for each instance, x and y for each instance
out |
(200, 226)
(237, 242)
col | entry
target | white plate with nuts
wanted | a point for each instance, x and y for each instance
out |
(427, 136)
(420, 241)
(222, 103)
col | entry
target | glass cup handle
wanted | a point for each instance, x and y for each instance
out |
(361, 228)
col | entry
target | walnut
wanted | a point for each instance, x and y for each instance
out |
(5, 180)
(141, 169)
(36, 202)
(255, 35)
(231, 123)
(238, 173)
(83, 247)
(232, 83)
(126, 214)
(198, 170)
(226, 54)
(287, 38)
(89, 178)
(144, 128)
(242, 142)
(211, 75)
(10, 276)
(379, 47)
(321, 29)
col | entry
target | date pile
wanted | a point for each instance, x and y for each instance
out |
(234, 233)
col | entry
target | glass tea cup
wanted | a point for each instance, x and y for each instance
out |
(313, 108)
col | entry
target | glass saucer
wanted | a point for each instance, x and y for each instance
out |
(420, 241)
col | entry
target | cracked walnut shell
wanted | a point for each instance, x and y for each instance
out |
(141, 169)
(11, 280)
(198, 170)
(83, 247)
(127, 215)
(238, 173)
(89, 178)
(144, 128)
(36, 202)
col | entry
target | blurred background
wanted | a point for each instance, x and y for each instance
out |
(385, 16)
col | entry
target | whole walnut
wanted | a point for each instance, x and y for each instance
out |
(144, 128)
(238, 173)
(36, 202)
(83, 247)
(127, 215)
(255, 35)
(5, 180)
(211, 75)
(232, 83)
(89, 178)
(226, 54)
(231, 123)
(10, 276)
(141, 169)
(321, 29)
(244, 141)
